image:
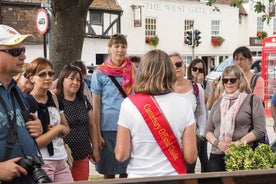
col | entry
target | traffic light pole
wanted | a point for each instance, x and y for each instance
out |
(193, 46)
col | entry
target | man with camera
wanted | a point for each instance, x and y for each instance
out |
(18, 128)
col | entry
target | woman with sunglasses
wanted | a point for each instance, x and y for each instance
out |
(197, 72)
(78, 112)
(107, 96)
(50, 112)
(231, 119)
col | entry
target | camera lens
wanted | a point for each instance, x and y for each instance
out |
(40, 176)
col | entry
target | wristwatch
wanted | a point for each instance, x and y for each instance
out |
(216, 142)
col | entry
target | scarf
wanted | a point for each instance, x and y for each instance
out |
(126, 71)
(228, 114)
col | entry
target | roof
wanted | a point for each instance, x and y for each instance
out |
(242, 11)
(105, 5)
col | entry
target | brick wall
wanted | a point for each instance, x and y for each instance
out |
(22, 17)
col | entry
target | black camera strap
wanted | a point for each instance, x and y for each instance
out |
(12, 135)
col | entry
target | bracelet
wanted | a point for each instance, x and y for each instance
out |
(216, 142)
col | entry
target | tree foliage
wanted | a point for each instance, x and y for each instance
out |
(259, 7)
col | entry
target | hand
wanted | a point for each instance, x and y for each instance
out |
(101, 142)
(215, 83)
(34, 126)
(200, 78)
(96, 155)
(9, 169)
(223, 146)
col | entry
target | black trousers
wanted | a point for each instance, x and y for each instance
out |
(202, 155)
(216, 163)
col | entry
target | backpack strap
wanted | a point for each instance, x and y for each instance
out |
(54, 96)
(196, 90)
(253, 82)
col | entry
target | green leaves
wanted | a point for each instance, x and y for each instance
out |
(244, 158)
(259, 7)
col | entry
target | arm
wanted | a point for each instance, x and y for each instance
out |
(122, 148)
(97, 116)
(259, 88)
(189, 144)
(9, 169)
(93, 133)
(200, 113)
(53, 131)
(214, 95)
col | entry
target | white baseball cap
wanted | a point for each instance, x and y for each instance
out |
(9, 36)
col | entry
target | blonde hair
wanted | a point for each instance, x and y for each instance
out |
(156, 74)
(238, 72)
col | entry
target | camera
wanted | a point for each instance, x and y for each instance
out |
(33, 165)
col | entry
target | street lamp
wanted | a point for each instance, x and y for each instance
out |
(137, 15)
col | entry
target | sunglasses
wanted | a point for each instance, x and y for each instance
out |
(44, 74)
(14, 52)
(178, 64)
(232, 80)
(72, 66)
(195, 69)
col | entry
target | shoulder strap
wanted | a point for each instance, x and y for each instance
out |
(157, 123)
(253, 82)
(54, 96)
(195, 89)
(118, 86)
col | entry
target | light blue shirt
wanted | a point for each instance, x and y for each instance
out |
(111, 99)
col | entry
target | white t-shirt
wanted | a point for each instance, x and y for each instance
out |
(147, 159)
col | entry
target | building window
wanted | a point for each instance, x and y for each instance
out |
(215, 27)
(96, 18)
(260, 24)
(188, 24)
(150, 25)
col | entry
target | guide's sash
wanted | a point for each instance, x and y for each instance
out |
(160, 130)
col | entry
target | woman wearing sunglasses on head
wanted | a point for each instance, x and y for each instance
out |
(231, 119)
(50, 112)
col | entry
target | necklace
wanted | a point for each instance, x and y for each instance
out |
(39, 97)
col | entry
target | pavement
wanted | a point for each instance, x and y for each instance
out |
(94, 175)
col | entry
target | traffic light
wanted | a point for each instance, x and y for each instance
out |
(197, 37)
(189, 38)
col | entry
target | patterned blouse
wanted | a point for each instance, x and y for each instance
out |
(76, 113)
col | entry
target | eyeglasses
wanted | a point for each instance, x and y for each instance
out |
(14, 52)
(195, 69)
(178, 64)
(72, 66)
(232, 80)
(44, 74)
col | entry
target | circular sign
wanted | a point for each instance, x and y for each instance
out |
(42, 21)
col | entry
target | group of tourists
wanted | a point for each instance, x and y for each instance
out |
(151, 119)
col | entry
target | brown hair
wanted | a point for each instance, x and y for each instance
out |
(192, 64)
(156, 74)
(38, 64)
(64, 73)
(116, 39)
